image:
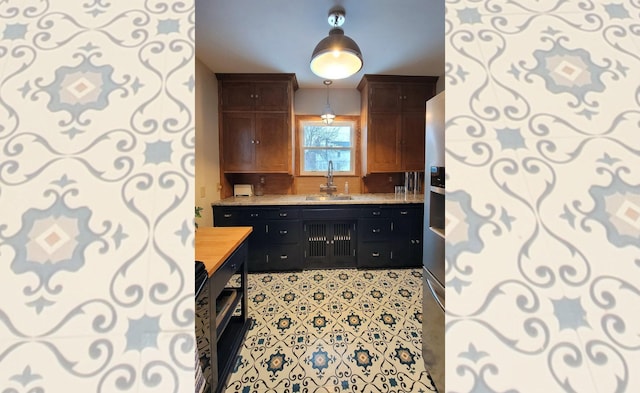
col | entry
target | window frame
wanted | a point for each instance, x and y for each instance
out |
(353, 121)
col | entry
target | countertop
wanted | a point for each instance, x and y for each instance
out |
(215, 244)
(287, 200)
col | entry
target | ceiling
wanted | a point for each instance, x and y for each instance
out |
(403, 37)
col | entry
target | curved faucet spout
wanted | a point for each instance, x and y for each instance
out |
(329, 187)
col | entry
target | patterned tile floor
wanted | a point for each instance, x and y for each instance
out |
(333, 331)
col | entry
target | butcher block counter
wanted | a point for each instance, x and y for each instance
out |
(215, 244)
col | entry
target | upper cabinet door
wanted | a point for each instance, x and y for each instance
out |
(272, 96)
(248, 92)
(273, 143)
(384, 97)
(413, 134)
(415, 96)
(238, 96)
(238, 142)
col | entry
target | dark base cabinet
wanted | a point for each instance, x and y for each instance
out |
(288, 238)
(274, 242)
(329, 244)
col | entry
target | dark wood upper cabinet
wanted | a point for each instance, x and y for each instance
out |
(393, 121)
(255, 96)
(256, 122)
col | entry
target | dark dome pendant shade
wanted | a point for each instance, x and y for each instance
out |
(336, 56)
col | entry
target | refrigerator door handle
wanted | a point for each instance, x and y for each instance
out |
(435, 296)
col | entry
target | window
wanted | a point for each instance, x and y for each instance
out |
(320, 143)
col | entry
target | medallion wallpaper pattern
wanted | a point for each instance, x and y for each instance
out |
(543, 195)
(96, 179)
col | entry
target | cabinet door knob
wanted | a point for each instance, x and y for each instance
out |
(283, 232)
(254, 214)
(251, 96)
(413, 241)
(252, 141)
(257, 96)
(283, 214)
(257, 142)
(376, 213)
(228, 215)
(377, 230)
(403, 213)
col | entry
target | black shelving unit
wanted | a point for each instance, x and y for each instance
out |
(227, 329)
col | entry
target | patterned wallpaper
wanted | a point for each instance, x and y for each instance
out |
(96, 196)
(543, 195)
(543, 203)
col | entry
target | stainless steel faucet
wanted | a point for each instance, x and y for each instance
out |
(329, 188)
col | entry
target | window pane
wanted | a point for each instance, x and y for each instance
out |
(317, 160)
(326, 136)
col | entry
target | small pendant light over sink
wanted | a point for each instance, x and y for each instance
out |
(336, 56)
(327, 114)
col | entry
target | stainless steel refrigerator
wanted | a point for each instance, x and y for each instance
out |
(433, 342)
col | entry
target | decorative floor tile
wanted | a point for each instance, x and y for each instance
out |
(333, 331)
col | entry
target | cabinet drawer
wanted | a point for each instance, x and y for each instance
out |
(373, 254)
(373, 212)
(228, 269)
(330, 213)
(287, 213)
(223, 217)
(282, 232)
(249, 215)
(372, 229)
(409, 212)
(285, 257)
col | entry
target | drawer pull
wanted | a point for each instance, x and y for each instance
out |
(227, 215)
(404, 213)
(375, 213)
(283, 214)
(375, 254)
(377, 230)
(284, 232)
(284, 256)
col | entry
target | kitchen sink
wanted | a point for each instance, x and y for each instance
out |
(329, 197)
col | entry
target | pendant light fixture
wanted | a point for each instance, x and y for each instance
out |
(327, 114)
(336, 56)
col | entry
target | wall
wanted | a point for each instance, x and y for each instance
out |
(345, 102)
(96, 196)
(207, 155)
(543, 196)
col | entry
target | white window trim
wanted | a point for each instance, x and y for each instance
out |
(352, 123)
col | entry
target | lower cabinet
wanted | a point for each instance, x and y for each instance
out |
(287, 238)
(329, 244)
(408, 232)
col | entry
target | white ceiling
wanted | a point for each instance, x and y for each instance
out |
(401, 37)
